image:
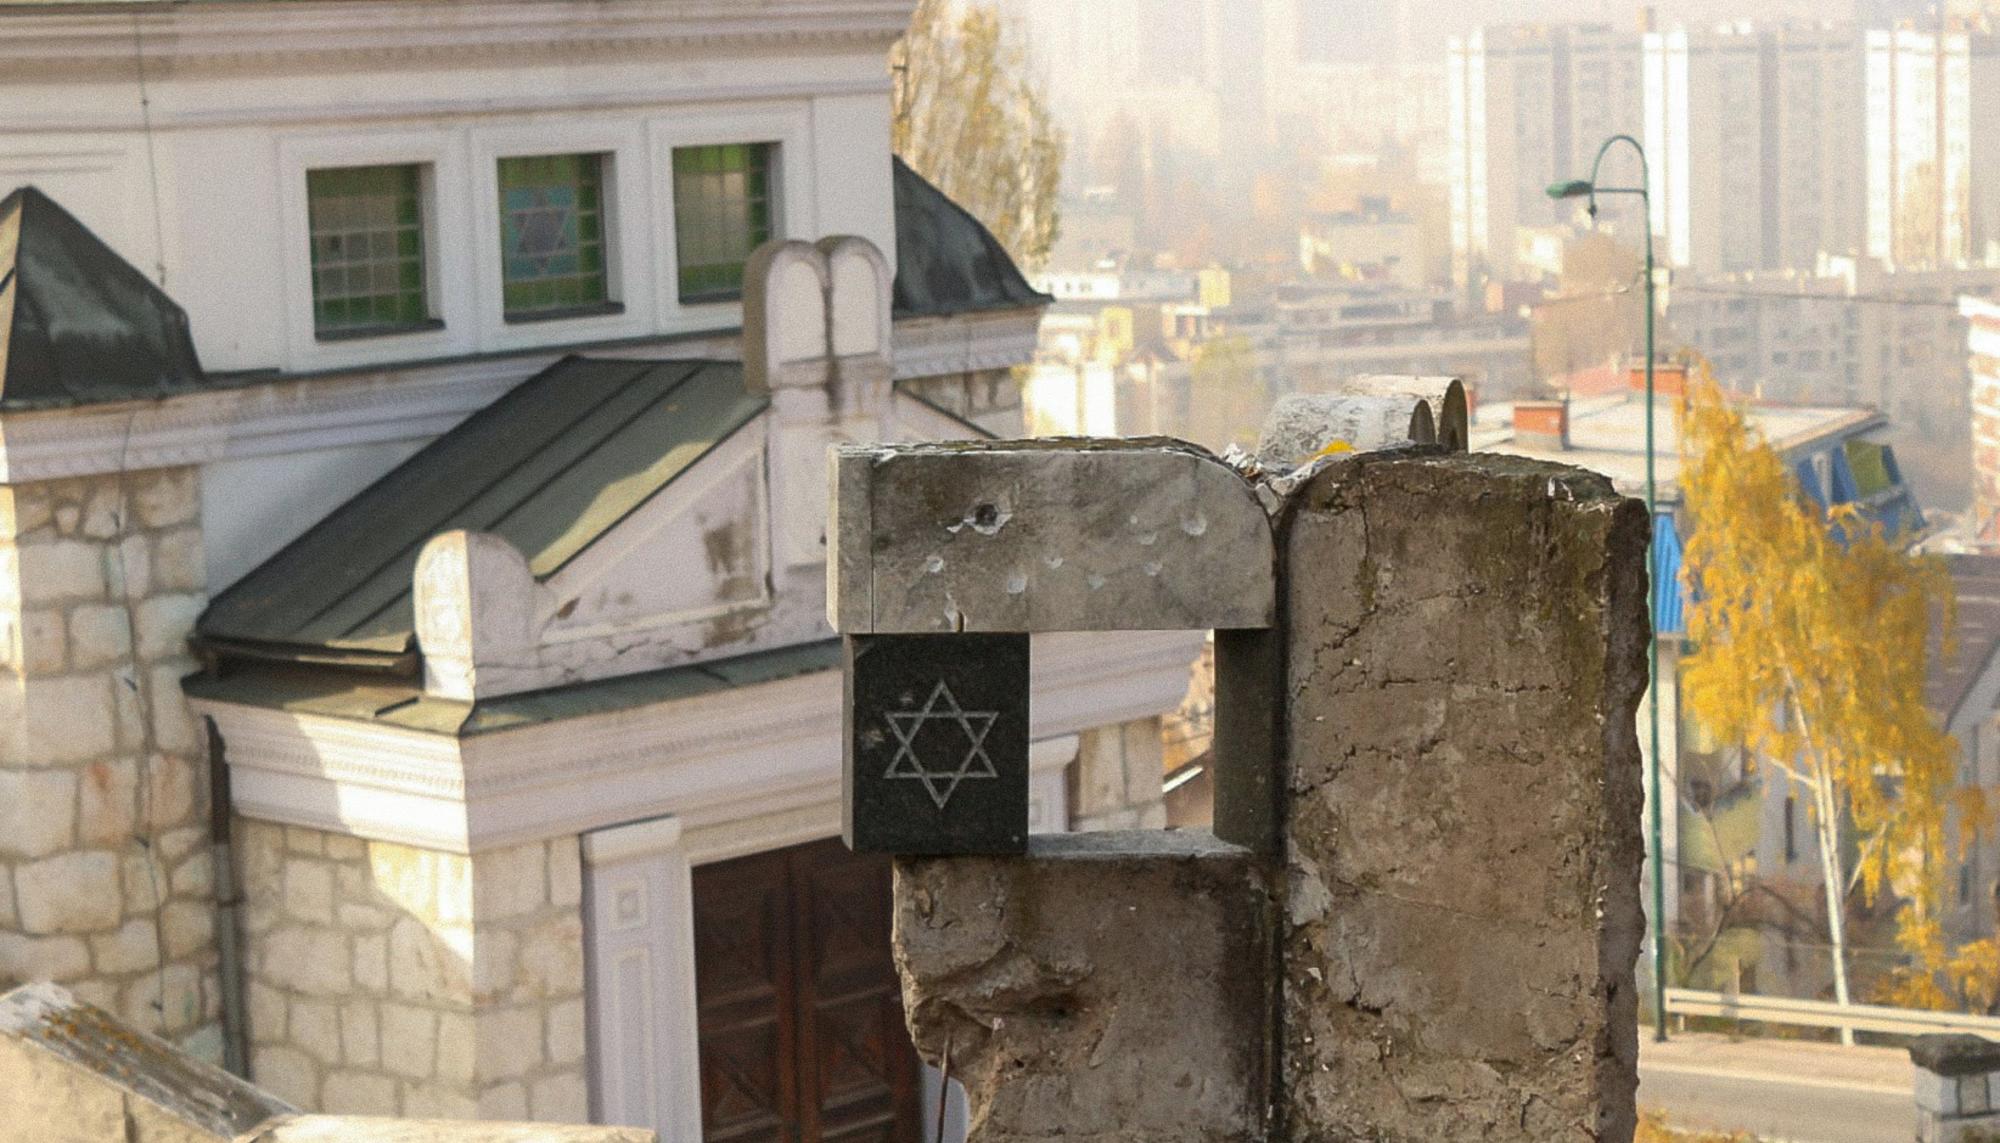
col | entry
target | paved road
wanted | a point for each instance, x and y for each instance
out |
(1780, 1090)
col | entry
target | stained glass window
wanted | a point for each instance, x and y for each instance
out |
(367, 231)
(724, 208)
(552, 234)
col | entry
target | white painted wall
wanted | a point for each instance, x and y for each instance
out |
(254, 506)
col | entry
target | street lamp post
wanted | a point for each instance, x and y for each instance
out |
(1588, 189)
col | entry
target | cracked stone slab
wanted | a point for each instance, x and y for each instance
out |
(1056, 535)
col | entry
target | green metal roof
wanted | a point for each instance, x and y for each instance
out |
(551, 466)
(404, 705)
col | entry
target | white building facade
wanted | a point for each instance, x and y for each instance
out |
(380, 370)
(1529, 105)
(1750, 129)
(1932, 117)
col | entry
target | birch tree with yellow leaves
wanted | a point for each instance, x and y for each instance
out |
(969, 117)
(1811, 631)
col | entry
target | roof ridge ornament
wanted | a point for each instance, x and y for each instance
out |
(816, 313)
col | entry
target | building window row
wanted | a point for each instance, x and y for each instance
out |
(370, 236)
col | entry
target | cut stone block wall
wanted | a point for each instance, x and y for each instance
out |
(1116, 783)
(383, 979)
(1466, 653)
(105, 870)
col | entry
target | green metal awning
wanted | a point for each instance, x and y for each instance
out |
(551, 466)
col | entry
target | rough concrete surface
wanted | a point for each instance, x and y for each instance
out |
(1107, 986)
(1466, 654)
(1065, 535)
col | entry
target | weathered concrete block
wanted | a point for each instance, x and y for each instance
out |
(71, 1072)
(363, 1129)
(1466, 655)
(1044, 536)
(1063, 1009)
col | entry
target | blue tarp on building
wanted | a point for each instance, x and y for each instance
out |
(1669, 598)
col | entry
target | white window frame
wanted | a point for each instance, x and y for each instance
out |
(447, 230)
(628, 228)
(795, 212)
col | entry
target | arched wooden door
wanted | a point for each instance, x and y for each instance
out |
(800, 1009)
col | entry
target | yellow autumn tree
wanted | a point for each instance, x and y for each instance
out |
(1227, 399)
(1811, 632)
(969, 117)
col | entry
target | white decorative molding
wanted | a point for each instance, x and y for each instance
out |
(97, 40)
(644, 1041)
(714, 760)
(631, 842)
(966, 343)
(85, 118)
(289, 414)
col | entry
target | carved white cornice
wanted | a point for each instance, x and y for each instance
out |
(89, 41)
(399, 403)
(966, 343)
(711, 760)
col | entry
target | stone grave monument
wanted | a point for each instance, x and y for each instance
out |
(1418, 913)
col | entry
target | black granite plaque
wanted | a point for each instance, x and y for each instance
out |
(936, 744)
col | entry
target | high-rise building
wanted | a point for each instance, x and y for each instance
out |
(1750, 131)
(1530, 104)
(1933, 130)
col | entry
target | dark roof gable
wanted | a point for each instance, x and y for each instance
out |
(79, 324)
(946, 262)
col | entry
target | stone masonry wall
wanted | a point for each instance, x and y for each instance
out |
(105, 871)
(389, 980)
(1115, 783)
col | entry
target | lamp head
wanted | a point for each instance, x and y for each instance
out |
(1571, 188)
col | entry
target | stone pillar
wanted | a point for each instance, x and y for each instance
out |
(1466, 651)
(1958, 1089)
(1427, 755)
(1116, 782)
(384, 979)
(1046, 982)
(105, 870)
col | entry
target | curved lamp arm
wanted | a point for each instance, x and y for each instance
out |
(1645, 175)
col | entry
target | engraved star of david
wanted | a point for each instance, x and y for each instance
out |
(941, 783)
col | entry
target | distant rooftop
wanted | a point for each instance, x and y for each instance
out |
(1607, 434)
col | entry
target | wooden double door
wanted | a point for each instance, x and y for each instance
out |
(800, 1011)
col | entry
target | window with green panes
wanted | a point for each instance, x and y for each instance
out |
(725, 206)
(367, 230)
(552, 234)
